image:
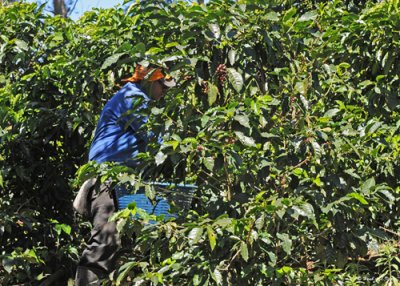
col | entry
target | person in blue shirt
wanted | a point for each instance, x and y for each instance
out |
(118, 138)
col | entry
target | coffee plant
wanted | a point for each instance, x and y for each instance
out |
(286, 117)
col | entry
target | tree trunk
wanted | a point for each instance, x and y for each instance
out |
(60, 8)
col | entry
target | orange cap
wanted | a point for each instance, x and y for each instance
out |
(141, 72)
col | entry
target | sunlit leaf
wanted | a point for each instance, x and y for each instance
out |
(211, 237)
(212, 93)
(358, 197)
(160, 158)
(195, 235)
(248, 141)
(235, 78)
(311, 15)
(244, 251)
(243, 120)
(111, 60)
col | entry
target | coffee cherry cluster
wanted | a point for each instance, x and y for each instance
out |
(221, 73)
(230, 140)
(204, 87)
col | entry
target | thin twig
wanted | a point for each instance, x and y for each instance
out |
(229, 195)
(390, 231)
(209, 176)
(72, 9)
(23, 204)
(230, 262)
(305, 161)
(213, 186)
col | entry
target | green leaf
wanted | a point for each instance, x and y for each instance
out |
(284, 270)
(344, 65)
(154, 51)
(160, 158)
(244, 251)
(190, 140)
(150, 192)
(8, 265)
(308, 16)
(58, 37)
(316, 148)
(172, 44)
(195, 235)
(132, 206)
(305, 210)
(232, 56)
(368, 185)
(111, 60)
(209, 163)
(212, 93)
(40, 277)
(272, 258)
(174, 144)
(366, 83)
(22, 45)
(358, 197)
(212, 238)
(272, 16)
(60, 227)
(223, 222)
(157, 111)
(286, 242)
(243, 120)
(66, 229)
(235, 79)
(331, 112)
(371, 128)
(298, 172)
(215, 30)
(121, 224)
(124, 271)
(259, 223)
(140, 48)
(352, 173)
(197, 279)
(248, 141)
(388, 195)
(217, 276)
(289, 14)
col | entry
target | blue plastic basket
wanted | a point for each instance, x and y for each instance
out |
(170, 198)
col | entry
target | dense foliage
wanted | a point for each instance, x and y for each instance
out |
(286, 117)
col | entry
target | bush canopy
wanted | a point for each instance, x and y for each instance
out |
(286, 117)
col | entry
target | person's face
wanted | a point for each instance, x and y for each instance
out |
(157, 90)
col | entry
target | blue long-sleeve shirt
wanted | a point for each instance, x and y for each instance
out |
(118, 137)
